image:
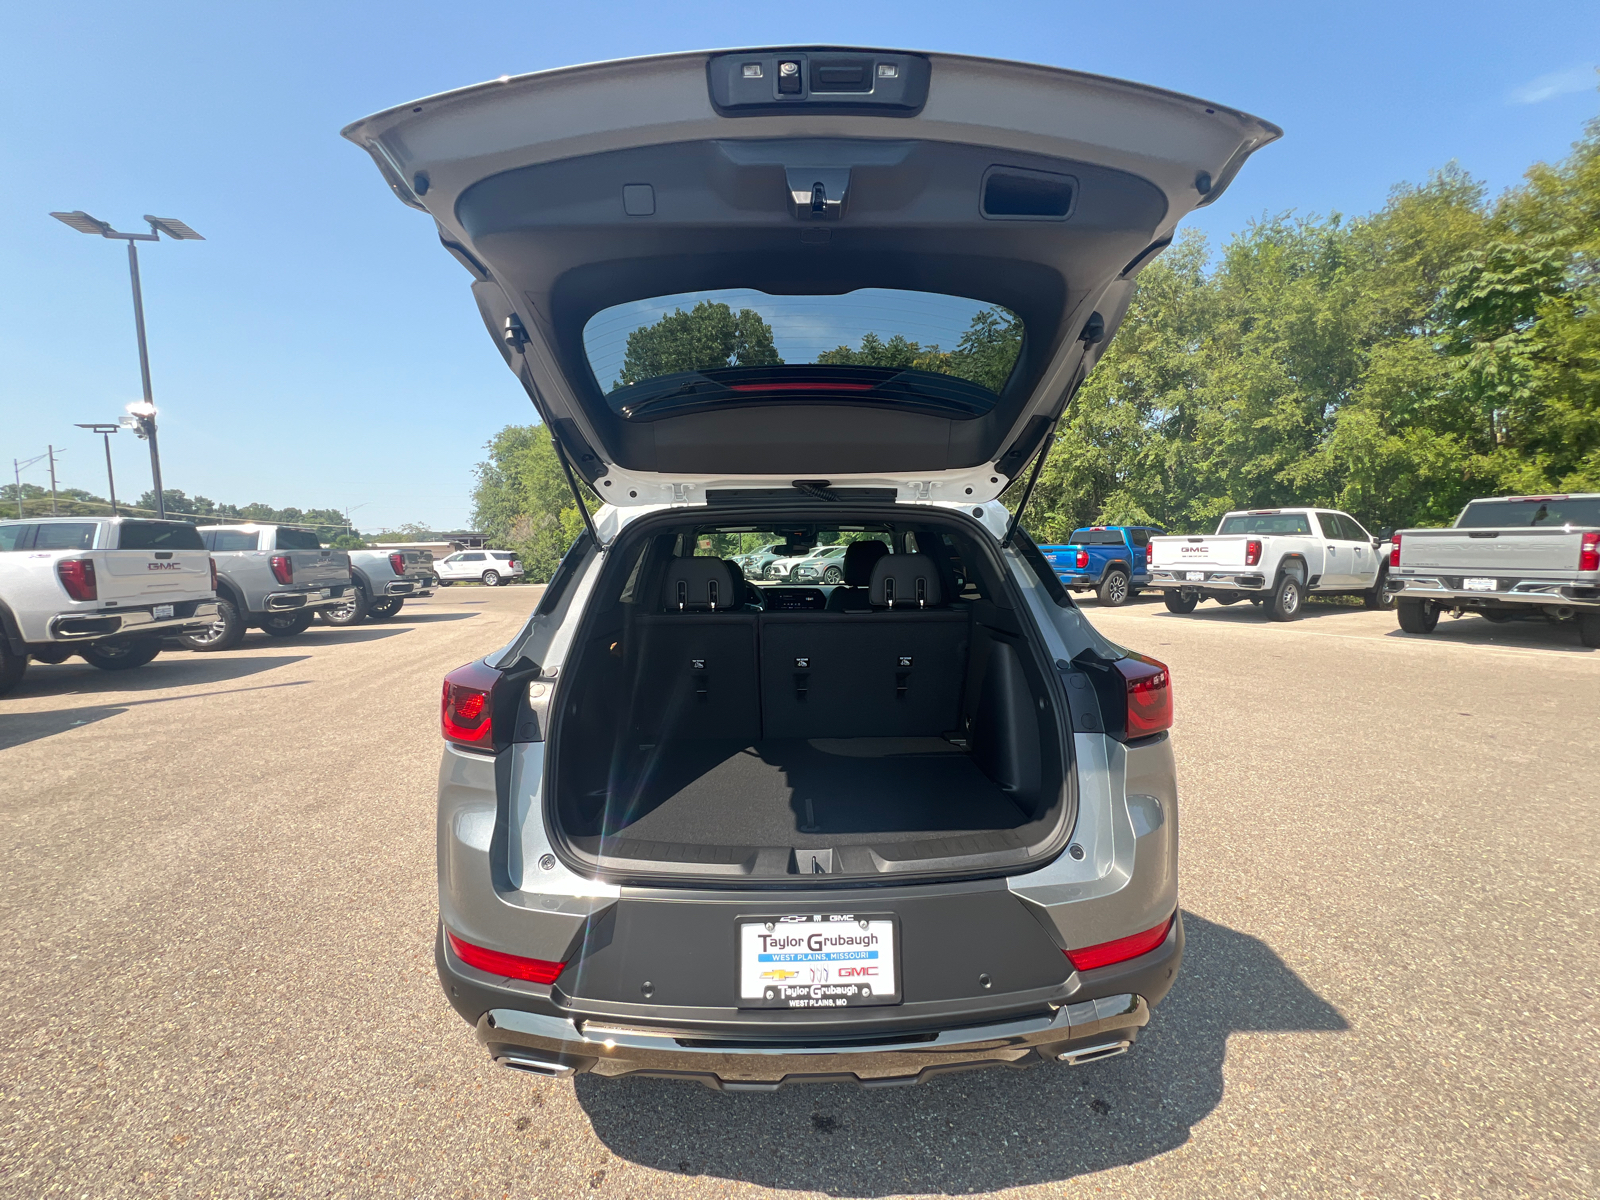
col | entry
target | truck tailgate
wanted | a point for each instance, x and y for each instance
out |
(319, 568)
(1209, 552)
(1524, 553)
(150, 576)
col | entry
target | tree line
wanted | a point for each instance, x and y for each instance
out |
(1394, 365)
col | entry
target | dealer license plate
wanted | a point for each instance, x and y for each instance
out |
(1480, 585)
(1195, 576)
(828, 960)
(161, 612)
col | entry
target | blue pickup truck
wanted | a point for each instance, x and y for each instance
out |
(1114, 560)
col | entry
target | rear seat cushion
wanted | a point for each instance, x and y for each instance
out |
(700, 584)
(905, 581)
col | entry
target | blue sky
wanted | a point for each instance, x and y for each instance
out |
(321, 349)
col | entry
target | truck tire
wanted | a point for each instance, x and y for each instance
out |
(384, 607)
(446, 582)
(352, 612)
(1499, 616)
(1588, 633)
(1226, 598)
(226, 632)
(1417, 616)
(121, 654)
(1287, 599)
(1177, 602)
(12, 666)
(1113, 591)
(491, 579)
(1378, 598)
(282, 625)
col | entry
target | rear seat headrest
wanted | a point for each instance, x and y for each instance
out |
(905, 581)
(701, 584)
(859, 558)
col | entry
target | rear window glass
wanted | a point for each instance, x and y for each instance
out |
(224, 540)
(630, 344)
(68, 535)
(298, 539)
(1096, 537)
(1515, 514)
(1288, 524)
(13, 537)
(158, 535)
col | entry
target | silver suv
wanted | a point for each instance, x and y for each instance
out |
(746, 832)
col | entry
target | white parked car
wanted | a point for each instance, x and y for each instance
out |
(488, 567)
(779, 568)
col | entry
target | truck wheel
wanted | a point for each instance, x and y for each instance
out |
(446, 582)
(1417, 616)
(384, 607)
(1286, 599)
(1499, 616)
(283, 625)
(491, 579)
(12, 666)
(226, 632)
(1113, 589)
(1179, 603)
(1588, 632)
(1378, 597)
(1227, 599)
(352, 612)
(121, 654)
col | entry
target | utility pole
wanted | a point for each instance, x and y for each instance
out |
(50, 451)
(16, 468)
(105, 431)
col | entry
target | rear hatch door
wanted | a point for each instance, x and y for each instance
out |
(1210, 552)
(1525, 537)
(867, 268)
(155, 561)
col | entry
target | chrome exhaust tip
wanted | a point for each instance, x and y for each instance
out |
(1088, 1054)
(543, 1068)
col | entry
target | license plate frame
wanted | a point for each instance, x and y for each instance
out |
(832, 975)
(1478, 583)
(1194, 576)
(161, 612)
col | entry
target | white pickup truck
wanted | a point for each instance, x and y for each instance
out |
(1504, 558)
(104, 588)
(1272, 556)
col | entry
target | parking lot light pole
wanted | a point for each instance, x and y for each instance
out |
(143, 413)
(105, 431)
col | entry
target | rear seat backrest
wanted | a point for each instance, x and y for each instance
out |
(905, 581)
(859, 559)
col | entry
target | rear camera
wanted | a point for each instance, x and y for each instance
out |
(788, 79)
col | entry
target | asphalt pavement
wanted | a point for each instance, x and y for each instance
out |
(218, 901)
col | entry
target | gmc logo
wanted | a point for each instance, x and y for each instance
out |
(163, 566)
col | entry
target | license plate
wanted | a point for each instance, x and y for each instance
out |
(1480, 585)
(326, 593)
(828, 960)
(1195, 576)
(161, 612)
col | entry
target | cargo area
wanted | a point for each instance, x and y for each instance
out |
(896, 723)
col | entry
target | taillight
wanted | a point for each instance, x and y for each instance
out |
(512, 966)
(466, 708)
(1083, 559)
(1122, 949)
(77, 576)
(1149, 695)
(397, 563)
(283, 569)
(1252, 552)
(1589, 553)
(1394, 551)
(213, 563)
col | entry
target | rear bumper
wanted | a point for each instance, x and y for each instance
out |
(282, 602)
(1450, 591)
(1212, 581)
(407, 587)
(538, 1032)
(91, 626)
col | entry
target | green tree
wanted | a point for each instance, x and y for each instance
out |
(522, 502)
(707, 336)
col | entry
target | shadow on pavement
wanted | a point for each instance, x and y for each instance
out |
(324, 635)
(422, 618)
(169, 670)
(982, 1131)
(21, 728)
(1535, 633)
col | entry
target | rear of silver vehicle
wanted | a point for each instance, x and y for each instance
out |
(645, 863)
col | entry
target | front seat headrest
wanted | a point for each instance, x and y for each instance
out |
(700, 584)
(905, 581)
(859, 559)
